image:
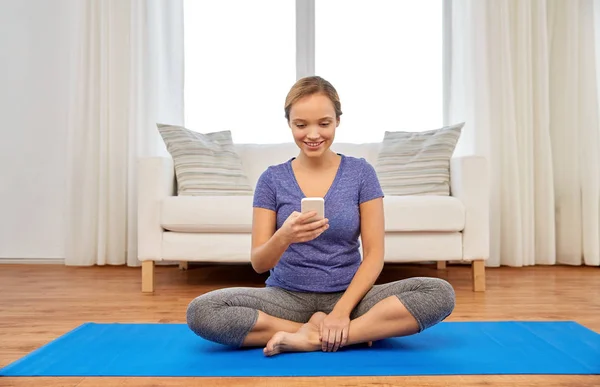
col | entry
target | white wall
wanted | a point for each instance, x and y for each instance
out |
(35, 49)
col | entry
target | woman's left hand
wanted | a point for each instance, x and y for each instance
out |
(334, 331)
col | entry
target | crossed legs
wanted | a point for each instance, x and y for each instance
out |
(280, 321)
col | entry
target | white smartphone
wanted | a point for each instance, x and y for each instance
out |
(314, 204)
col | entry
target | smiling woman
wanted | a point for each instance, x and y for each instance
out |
(321, 292)
(316, 115)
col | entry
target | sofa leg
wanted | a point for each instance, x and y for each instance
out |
(147, 276)
(441, 265)
(183, 265)
(478, 270)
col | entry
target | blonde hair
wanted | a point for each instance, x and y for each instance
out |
(309, 86)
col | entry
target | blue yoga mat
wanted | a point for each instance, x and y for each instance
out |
(449, 348)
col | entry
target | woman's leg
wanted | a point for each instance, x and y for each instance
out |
(248, 316)
(399, 308)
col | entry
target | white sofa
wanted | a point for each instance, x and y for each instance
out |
(218, 229)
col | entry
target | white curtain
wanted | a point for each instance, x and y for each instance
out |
(523, 75)
(128, 75)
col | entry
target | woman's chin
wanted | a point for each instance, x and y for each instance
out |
(313, 153)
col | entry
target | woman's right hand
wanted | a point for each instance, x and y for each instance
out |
(300, 227)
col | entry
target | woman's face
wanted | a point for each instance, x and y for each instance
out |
(313, 123)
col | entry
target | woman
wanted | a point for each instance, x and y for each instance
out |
(320, 295)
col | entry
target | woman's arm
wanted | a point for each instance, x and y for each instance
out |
(267, 245)
(334, 328)
(372, 235)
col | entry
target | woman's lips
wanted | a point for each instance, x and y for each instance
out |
(313, 145)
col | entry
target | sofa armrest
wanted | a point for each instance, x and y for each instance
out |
(469, 182)
(156, 181)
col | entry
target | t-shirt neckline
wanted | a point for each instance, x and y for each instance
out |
(331, 187)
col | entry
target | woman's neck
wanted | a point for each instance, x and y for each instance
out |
(327, 159)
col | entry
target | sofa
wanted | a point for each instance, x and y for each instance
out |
(217, 229)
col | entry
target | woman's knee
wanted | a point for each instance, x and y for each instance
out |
(445, 296)
(202, 314)
(430, 300)
(221, 316)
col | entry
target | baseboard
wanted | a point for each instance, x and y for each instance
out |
(32, 261)
(61, 261)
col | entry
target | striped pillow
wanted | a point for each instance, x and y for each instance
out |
(417, 163)
(205, 164)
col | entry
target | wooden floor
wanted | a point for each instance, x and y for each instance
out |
(40, 303)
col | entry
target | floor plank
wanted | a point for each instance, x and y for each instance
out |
(41, 303)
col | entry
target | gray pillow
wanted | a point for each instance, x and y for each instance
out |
(417, 163)
(205, 164)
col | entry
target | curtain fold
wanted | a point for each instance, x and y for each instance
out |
(128, 75)
(525, 80)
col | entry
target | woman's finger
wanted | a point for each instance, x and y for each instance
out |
(316, 225)
(344, 337)
(332, 340)
(307, 236)
(321, 332)
(338, 341)
(325, 340)
(317, 233)
(303, 217)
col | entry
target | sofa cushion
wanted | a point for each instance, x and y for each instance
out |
(423, 213)
(205, 164)
(417, 163)
(230, 247)
(207, 213)
(233, 214)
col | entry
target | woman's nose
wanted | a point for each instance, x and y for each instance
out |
(313, 132)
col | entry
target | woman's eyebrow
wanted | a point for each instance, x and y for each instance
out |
(320, 119)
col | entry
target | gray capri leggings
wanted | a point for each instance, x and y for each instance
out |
(227, 315)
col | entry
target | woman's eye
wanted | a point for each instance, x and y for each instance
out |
(324, 123)
(300, 125)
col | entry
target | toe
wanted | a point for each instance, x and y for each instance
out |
(269, 347)
(269, 350)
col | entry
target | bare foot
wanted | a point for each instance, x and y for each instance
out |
(306, 339)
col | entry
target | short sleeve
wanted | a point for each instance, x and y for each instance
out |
(370, 188)
(264, 193)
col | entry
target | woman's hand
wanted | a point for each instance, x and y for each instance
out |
(300, 227)
(334, 331)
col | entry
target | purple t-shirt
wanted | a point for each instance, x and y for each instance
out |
(329, 262)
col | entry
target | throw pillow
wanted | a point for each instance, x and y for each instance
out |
(417, 163)
(205, 164)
